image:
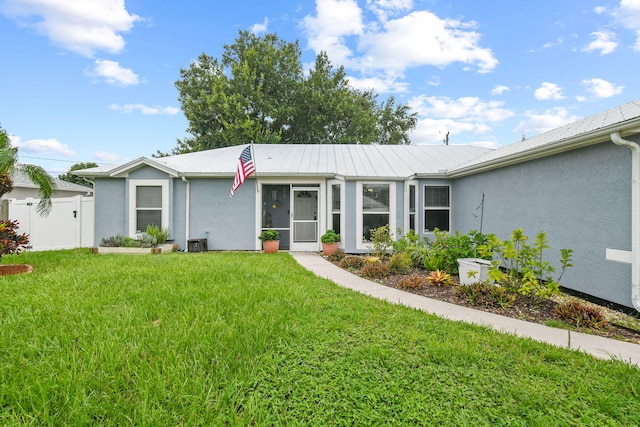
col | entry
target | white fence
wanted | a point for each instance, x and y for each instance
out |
(70, 224)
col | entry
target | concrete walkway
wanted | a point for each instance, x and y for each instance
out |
(604, 348)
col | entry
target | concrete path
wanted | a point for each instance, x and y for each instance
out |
(604, 348)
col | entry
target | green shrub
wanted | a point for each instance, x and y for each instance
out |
(434, 259)
(117, 241)
(374, 270)
(146, 240)
(399, 263)
(411, 282)
(521, 267)
(448, 248)
(487, 295)
(160, 234)
(352, 262)
(580, 314)
(381, 241)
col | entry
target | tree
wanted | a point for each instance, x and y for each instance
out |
(80, 180)
(259, 92)
(9, 166)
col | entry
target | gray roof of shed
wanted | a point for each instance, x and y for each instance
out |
(21, 180)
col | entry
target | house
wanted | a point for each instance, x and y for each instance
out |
(23, 187)
(578, 183)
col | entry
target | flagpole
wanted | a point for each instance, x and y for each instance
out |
(255, 166)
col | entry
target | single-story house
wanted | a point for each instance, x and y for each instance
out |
(578, 183)
(23, 187)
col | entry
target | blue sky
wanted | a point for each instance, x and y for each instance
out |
(93, 80)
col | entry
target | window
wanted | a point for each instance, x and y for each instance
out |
(375, 208)
(412, 208)
(336, 207)
(148, 204)
(437, 205)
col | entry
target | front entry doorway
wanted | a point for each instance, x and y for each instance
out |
(293, 211)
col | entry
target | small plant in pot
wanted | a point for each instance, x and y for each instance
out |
(270, 240)
(330, 241)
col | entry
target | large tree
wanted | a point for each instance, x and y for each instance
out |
(9, 166)
(259, 92)
(80, 180)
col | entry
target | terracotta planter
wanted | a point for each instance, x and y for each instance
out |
(329, 248)
(271, 246)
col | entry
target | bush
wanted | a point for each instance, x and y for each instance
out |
(448, 248)
(117, 241)
(352, 262)
(487, 295)
(411, 282)
(580, 314)
(440, 278)
(399, 262)
(146, 240)
(10, 241)
(382, 241)
(374, 270)
(160, 234)
(337, 256)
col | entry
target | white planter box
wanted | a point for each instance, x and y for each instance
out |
(136, 251)
(479, 266)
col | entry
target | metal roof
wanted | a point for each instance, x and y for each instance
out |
(349, 161)
(590, 130)
(388, 161)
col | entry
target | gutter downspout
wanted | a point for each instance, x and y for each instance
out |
(635, 215)
(186, 211)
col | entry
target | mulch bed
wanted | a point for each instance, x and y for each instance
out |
(525, 308)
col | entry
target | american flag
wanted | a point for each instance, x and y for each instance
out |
(245, 168)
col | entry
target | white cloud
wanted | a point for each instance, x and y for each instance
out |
(499, 89)
(422, 38)
(439, 115)
(129, 108)
(605, 42)
(260, 28)
(601, 88)
(538, 122)
(548, 91)
(81, 26)
(386, 39)
(42, 146)
(384, 84)
(628, 14)
(114, 74)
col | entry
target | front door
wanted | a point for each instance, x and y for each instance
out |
(304, 218)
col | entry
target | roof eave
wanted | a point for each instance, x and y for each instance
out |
(596, 137)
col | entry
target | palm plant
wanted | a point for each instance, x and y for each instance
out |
(9, 166)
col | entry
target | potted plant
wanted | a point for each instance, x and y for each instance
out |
(270, 241)
(330, 241)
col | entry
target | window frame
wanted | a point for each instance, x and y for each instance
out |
(360, 242)
(133, 208)
(412, 185)
(426, 208)
(340, 211)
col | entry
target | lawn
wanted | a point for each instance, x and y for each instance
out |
(252, 339)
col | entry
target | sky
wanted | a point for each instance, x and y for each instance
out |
(94, 80)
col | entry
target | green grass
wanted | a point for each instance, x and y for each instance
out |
(254, 339)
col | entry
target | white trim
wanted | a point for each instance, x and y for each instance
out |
(360, 244)
(133, 184)
(619, 256)
(330, 185)
(407, 223)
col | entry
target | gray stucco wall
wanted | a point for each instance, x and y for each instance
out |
(227, 223)
(580, 199)
(110, 208)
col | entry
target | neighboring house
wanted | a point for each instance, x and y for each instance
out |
(574, 183)
(23, 187)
